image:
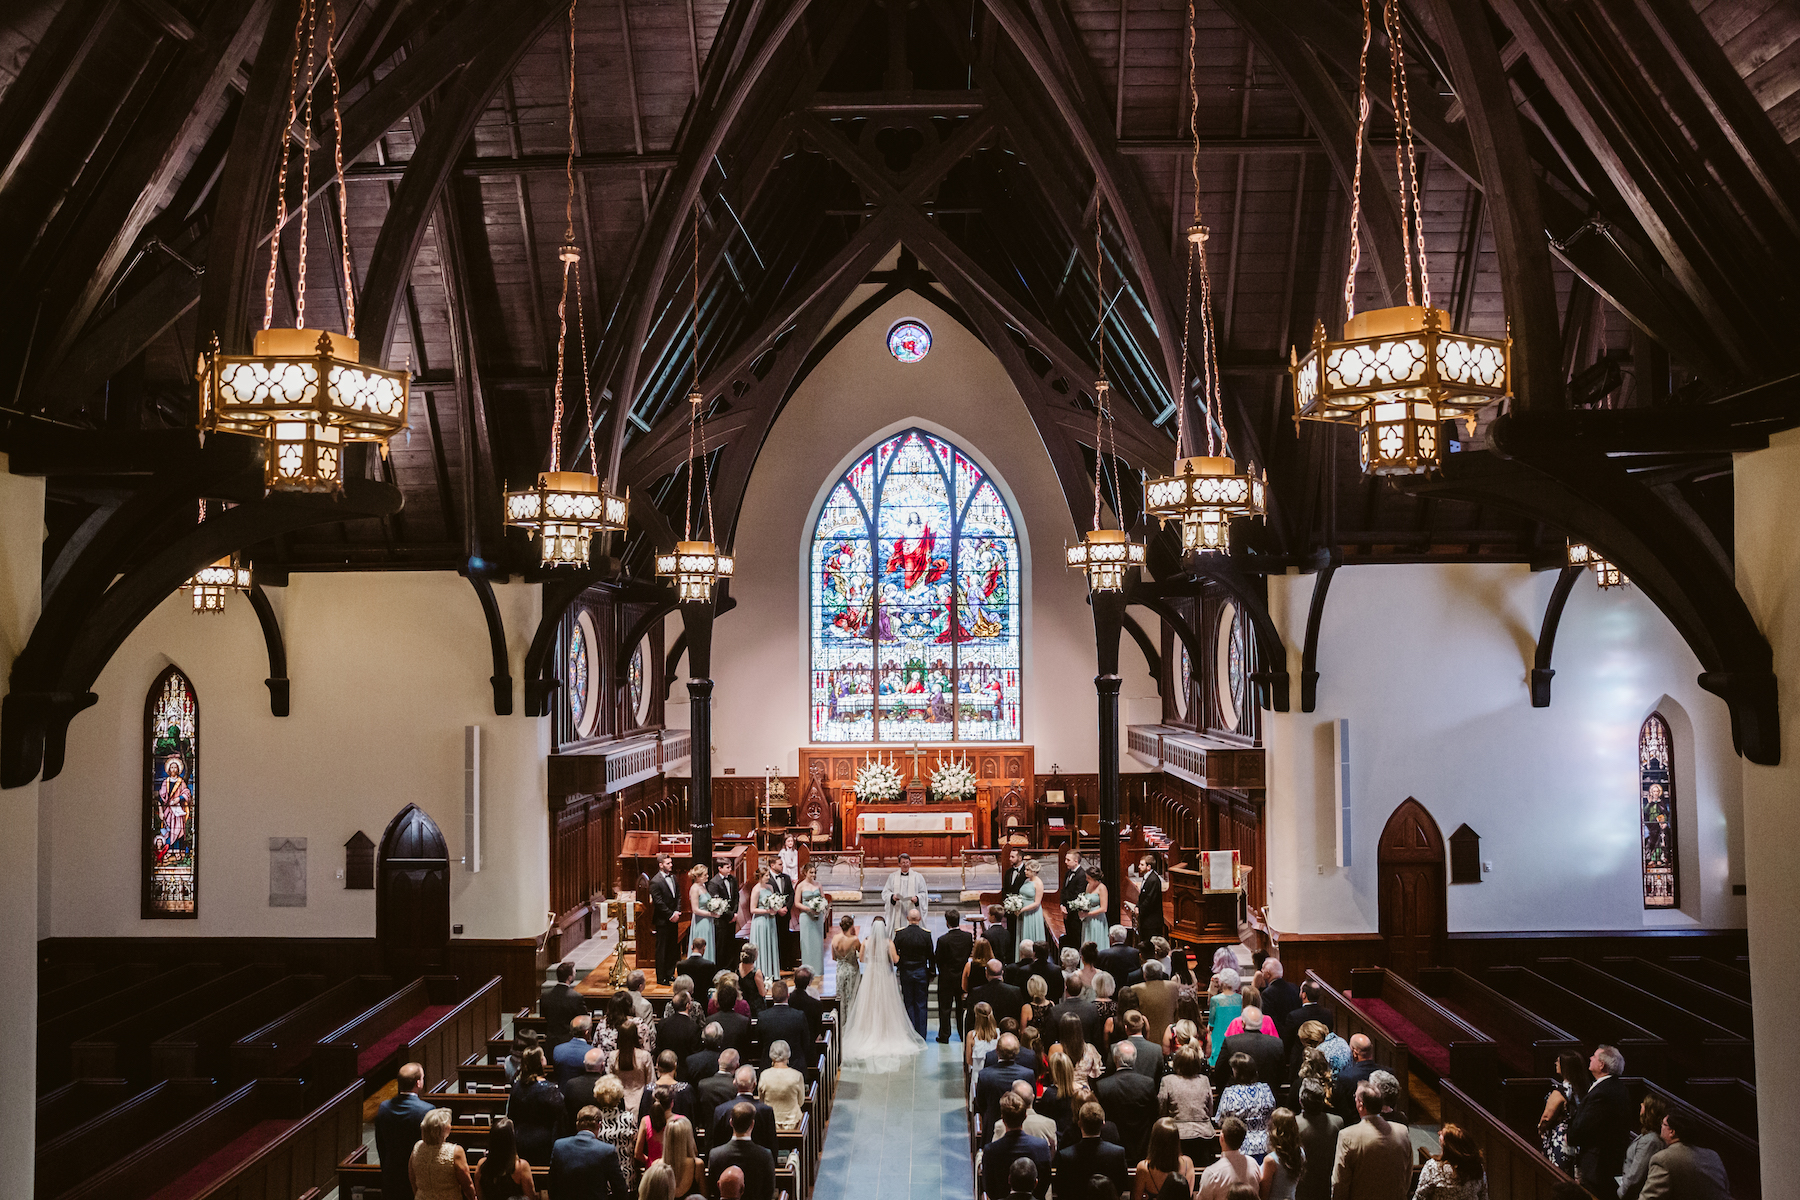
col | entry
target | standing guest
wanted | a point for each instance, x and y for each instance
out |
(1285, 1165)
(1187, 1094)
(578, 1092)
(1262, 1022)
(504, 1173)
(1107, 1008)
(632, 1065)
(1149, 906)
(1223, 1006)
(1018, 972)
(619, 1014)
(697, 967)
(647, 1148)
(914, 965)
(1091, 1155)
(1251, 1101)
(658, 1183)
(1362, 1065)
(981, 1039)
(712, 1093)
(724, 885)
(1058, 1098)
(1128, 1098)
(681, 1096)
(954, 947)
(1010, 1144)
(1022, 1180)
(753, 984)
(1457, 1173)
(681, 1154)
(812, 924)
(560, 1003)
(1648, 1143)
(616, 1126)
(740, 1154)
(1163, 1159)
(1032, 927)
(1233, 1168)
(782, 1088)
(846, 951)
(787, 940)
(762, 1115)
(1045, 967)
(1181, 967)
(999, 933)
(705, 1061)
(1374, 1156)
(781, 1022)
(1685, 1171)
(1315, 1068)
(537, 1109)
(1037, 1003)
(665, 917)
(700, 925)
(438, 1169)
(583, 1167)
(397, 1128)
(1156, 998)
(1319, 1129)
(1036, 1123)
(523, 1040)
(1311, 1008)
(1120, 961)
(732, 1018)
(566, 1061)
(1074, 882)
(679, 1030)
(800, 997)
(1263, 1049)
(1150, 1062)
(995, 1082)
(1072, 1040)
(975, 970)
(1388, 1084)
(1568, 1084)
(1601, 1127)
(1001, 997)
(1280, 997)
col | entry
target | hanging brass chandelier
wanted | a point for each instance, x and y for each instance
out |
(211, 584)
(1104, 555)
(304, 391)
(1204, 492)
(696, 566)
(567, 508)
(1606, 572)
(1397, 373)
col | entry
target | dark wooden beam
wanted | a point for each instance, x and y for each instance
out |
(45, 78)
(492, 167)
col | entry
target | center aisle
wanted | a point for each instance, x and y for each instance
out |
(900, 1136)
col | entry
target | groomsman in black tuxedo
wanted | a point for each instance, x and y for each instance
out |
(724, 885)
(786, 938)
(1150, 923)
(1074, 882)
(665, 915)
(1012, 882)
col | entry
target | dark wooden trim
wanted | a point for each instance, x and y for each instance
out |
(277, 682)
(1309, 652)
(501, 679)
(1541, 670)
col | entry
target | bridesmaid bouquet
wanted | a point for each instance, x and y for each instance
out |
(716, 906)
(1084, 902)
(1014, 904)
(814, 905)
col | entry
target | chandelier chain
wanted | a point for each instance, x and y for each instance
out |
(1187, 309)
(337, 154)
(1100, 388)
(1362, 131)
(306, 124)
(1401, 99)
(282, 174)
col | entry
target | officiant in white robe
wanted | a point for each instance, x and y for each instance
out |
(904, 889)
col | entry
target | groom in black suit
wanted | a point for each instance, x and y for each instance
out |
(786, 939)
(1012, 882)
(724, 885)
(1074, 883)
(913, 945)
(665, 915)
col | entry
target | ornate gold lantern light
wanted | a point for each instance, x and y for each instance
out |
(211, 584)
(567, 508)
(304, 391)
(1104, 555)
(1606, 572)
(696, 565)
(1397, 373)
(1205, 491)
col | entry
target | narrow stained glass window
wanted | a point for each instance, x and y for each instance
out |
(1656, 814)
(171, 798)
(635, 681)
(915, 601)
(578, 676)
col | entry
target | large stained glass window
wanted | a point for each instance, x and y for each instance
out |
(1656, 814)
(171, 798)
(915, 601)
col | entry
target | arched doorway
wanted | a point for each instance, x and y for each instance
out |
(1411, 874)
(412, 893)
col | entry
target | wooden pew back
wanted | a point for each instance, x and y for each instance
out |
(1731, 977)
(203, 1047)
(1516, 1167)
(1722, 1008)
(289, 1040)
(1588, 1021)
(1473, 1058)
(1526, 1043)
(1391, 1052)
(107, 1137)
(56, 1032)
(1701, 1046)
(76, 1103)
(123, 1048)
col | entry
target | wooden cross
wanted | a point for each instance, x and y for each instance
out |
(915, 754)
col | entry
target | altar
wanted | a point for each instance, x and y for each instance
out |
(929, 833)
(1005, 799)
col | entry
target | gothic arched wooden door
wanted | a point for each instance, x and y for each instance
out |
(1411, 877)
(412, 892)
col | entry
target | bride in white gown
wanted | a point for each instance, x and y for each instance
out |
(879, 1037)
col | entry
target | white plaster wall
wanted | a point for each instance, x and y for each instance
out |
(1430, 664)
(387, 669)
(855, 396)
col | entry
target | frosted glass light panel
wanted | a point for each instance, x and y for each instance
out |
(915, 601)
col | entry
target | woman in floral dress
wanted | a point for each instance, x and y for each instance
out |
(1559, 1108)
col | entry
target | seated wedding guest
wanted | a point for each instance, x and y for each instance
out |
(1647, 1144)
(782, 1088)
(1455, 1174)
(1249, 1100)
(1232, 1168)
(1161, 1160)
(504, 1173)
(438, 1169)
(1186, 1094)
(1319, 1128)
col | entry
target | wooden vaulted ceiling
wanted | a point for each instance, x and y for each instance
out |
(1617, 178)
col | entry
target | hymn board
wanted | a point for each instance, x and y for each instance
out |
(931, 830)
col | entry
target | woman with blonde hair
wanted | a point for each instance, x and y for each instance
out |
(981, 1037)
(438, 1168)
(681, 1154)
(659, 1184)
(617, 1128)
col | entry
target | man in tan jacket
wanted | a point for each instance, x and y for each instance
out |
(1685, 1170)
(1374, 1156)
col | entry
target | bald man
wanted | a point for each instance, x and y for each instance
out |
(1361, 1066)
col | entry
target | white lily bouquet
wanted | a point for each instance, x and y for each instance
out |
(1014, 904)
(953, 781)
(1083, 902)
(878, 782)
(716, 905)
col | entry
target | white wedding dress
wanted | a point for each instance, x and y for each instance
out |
(878, 1037)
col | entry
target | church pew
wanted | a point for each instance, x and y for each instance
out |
(1697, 1046)
(203, 1047)
(1645, 1053)
(1731, 1101)
(357, 1174)
(57, 1031)
(262, 1140)
(477, 1071)
(1719, 1007)
(77, 990)
(54, 976)
(1726, 977)
(1515, 1164)
(434, 1020)
(1527, 1044)
(1389, 1050)
(1445, 1044)
(123, 1048)
(793, 1146)
(105, 1138)
(75, 1103)
(284, 1044)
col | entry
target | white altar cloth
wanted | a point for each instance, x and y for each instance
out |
(921, 822)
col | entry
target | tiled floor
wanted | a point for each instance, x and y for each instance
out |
(901, 1136)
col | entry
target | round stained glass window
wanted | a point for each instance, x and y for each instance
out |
(909, 341)
(634, 681)
(1184, 682)
(1232, 668)
(578, 675)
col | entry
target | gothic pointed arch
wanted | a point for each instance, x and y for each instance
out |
(412, 889)
(1657, 826)
(1410, 875)
(171, 798)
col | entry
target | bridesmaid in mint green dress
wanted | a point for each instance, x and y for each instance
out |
(812, 927)
(1093, 922)
(763, 902)
(1031, 917)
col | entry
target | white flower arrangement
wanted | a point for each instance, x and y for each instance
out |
(716, 905)
(878, 782)
(1014, 904)
(814, 905)
(1083, 902)
(953, 780)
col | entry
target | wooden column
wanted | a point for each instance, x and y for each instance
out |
(697, 621)
(1109, 623)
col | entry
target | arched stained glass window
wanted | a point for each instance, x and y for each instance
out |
(915, 601)
(1656, 813)
(171, 798)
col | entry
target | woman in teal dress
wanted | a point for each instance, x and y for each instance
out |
(1093, 922)
(1031, 917)
(812, 925)
(765, 904)
(702, 924)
